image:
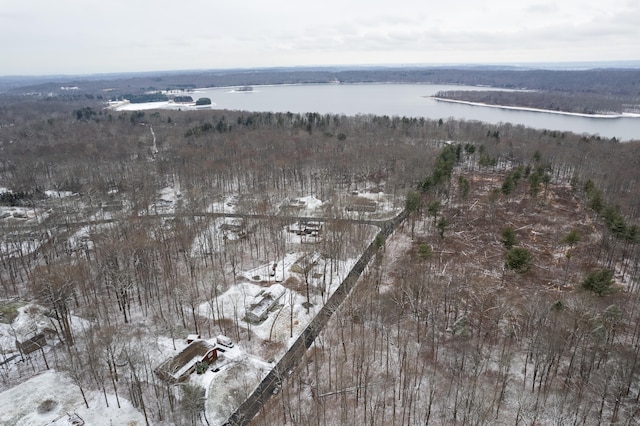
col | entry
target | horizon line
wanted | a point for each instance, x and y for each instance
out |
(551, 65)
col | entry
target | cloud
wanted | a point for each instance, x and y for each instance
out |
(79, 36)
(541, 8)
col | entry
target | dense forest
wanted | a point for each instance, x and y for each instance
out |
(515, 301)
(508, 295)
(580, 103)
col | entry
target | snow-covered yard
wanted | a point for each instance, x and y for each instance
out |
(227, 205)
(167, 201)
(213, 238)
(47, 398)
(24, 214)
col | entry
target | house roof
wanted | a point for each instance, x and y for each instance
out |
(189, 356)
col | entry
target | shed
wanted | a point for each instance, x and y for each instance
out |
(31, 344)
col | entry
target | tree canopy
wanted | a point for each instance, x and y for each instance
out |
(518, 259)
(599, 281)
(509, 237)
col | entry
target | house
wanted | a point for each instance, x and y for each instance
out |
(180, 367)
(112, 205)
(310, 227)
(362, 207)
(260, 310)
(305, 263)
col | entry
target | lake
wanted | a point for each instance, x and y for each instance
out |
(411, 100)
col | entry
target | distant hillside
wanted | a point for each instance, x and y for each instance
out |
(587, 91)
(622, 81)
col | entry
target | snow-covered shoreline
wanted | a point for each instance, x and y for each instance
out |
(143, 106)
(548, 111)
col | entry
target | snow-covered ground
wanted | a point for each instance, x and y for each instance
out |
(22, 245)
(277, 327)
(167, 201)
(285, 321)
(312, 206)
(380, 201)
(381, 204)
(227, 205)
(30, 215)
(144, 106)
(56, 387)
(547, 111)
(31, 319)
(229, 380)
(212, 239)
(81, 239)
(51, 395)
(47, 398)
(305, 206)
(59, 194)
(25, 214)
(267, 273)
(229, 387)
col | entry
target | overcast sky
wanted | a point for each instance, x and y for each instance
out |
(88, 36)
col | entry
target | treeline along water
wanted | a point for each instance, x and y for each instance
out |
(410, 100)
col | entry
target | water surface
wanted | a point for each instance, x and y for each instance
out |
(411, 100)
